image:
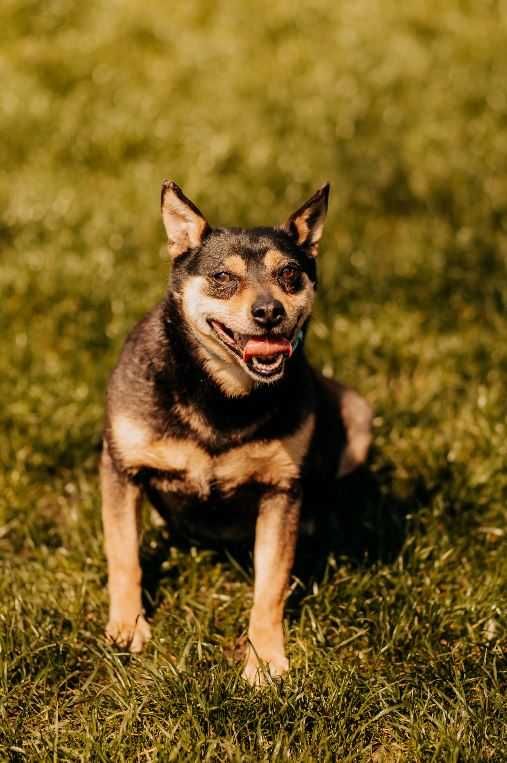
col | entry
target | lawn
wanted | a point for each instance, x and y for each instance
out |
(398, 643)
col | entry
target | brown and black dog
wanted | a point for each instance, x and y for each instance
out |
(214, 413)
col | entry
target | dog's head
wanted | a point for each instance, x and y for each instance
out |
(244, 295)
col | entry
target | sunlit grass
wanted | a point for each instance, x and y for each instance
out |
(398, 650)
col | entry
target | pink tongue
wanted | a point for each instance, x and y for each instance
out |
(265, 347)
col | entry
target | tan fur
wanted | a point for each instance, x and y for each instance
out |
(297, 306)
(188, 463)
(121, 516)
(275, 539)
(194, 420)
(230, 377)
(357, 416)
(235, 264)
(274, 260)
(275, 542)
(309, 235)
(198, 305)
(276, 462)
(184, 226)
(238, 316)
(235, 313)
(223, 368)
(198, 425)
(137, 449)
(302, 227)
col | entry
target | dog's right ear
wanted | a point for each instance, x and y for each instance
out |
(307, 223)
(185, 226)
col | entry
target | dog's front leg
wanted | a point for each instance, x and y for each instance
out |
(121, 516)
(275, 542)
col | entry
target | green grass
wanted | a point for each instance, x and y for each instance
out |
(399, 649)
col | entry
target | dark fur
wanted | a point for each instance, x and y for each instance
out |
(166, 373)
(160, 373)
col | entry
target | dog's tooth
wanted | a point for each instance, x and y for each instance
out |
(267, 367)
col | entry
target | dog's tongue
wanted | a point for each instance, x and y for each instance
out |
(266, 346)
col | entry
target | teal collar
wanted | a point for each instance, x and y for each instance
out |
(298, 338)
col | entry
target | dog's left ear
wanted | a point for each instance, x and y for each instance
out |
(305, 226)
(185, 225)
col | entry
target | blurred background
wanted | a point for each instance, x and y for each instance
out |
(250, 107)
(402, 107)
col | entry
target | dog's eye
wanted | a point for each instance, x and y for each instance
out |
(223, 277)
(290, 276)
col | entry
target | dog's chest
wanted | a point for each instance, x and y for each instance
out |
(182, 465)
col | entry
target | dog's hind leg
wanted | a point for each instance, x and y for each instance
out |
(343, 404)
(275, 542)
(357, 416)
(121, 516)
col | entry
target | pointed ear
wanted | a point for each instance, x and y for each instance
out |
(306, 225)
(185, 226)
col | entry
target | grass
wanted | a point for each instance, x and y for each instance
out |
(399, 648)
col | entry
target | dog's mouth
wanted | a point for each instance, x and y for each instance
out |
(263, 354)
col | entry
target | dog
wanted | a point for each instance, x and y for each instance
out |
(216, 416)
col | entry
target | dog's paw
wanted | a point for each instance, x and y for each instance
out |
(258, 671)
(128, 635)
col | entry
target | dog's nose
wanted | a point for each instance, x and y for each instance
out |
(267, 312)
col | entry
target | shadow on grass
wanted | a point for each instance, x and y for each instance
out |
(361, 518)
